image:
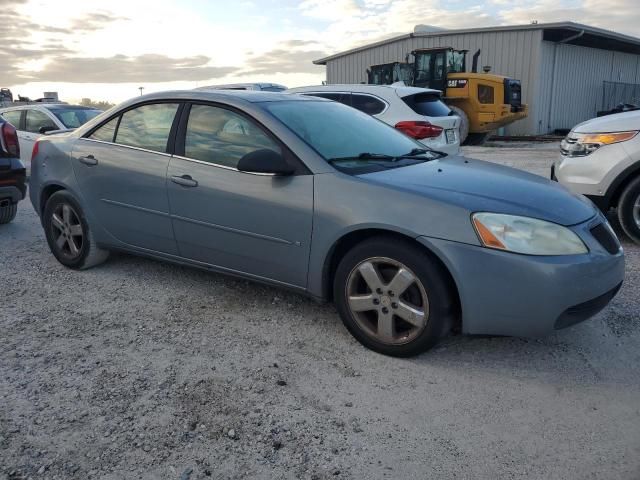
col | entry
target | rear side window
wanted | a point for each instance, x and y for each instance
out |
(427, 104)
(106, 132)
(147, 126)
(13, 117)
(335, 96)
(222, 137)
(36, 120)
(367, 103)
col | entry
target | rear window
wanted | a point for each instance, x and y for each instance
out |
(427, 104)
(74, 117)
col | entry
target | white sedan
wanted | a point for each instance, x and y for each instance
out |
(418, 112)
(33, 121)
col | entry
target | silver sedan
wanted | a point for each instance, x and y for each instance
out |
(320, 198)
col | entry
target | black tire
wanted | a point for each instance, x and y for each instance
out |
(441, 309)
(8, 213)
(88, 254)
(464, 122)
(629, 221)
(477, 138)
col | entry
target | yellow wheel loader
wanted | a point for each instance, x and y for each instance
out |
(484, 101)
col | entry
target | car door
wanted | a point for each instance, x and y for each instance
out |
(34, 123)
(256, 224)
(121, 167)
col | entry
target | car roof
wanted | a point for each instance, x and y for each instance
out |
(48, 106)
(241, 85)
(400, 90)
(249, 96)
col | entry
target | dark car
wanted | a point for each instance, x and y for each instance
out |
(13, 175)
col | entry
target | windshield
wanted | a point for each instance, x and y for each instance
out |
(337, 131)
(74, 117)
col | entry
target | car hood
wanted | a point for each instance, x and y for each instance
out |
(618, 122)
(476, 186)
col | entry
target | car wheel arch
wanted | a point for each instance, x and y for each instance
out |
(350, 239)
(46, 194)
(620, 183)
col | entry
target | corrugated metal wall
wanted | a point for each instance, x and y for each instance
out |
(514, 54)
(570, 82)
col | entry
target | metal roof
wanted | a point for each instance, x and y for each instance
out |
(556, 32)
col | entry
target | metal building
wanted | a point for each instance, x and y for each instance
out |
(569, 71)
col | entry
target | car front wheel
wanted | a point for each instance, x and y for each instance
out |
(68, 234)
(629, 210)
(393, 296)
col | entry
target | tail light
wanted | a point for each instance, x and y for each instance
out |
(34, 152)
(419, 129)
(9, 140)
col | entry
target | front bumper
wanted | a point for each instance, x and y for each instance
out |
(503, 293)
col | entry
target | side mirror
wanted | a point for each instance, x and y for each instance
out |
(265, 161)
(48, 128)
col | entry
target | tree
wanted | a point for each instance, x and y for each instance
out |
(101, 105)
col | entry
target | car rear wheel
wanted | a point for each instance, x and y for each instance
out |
(393, 297)
(477, 138)
(8, 211)
(629, 210)
(68, 234)
(464, 122)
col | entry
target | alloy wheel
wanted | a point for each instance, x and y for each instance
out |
(636, 211)
(387, 300)
(66, 230)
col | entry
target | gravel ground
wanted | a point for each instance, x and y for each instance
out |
(139, 369)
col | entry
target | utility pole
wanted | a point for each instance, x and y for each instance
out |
(140, 88)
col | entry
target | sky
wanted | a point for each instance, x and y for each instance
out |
(106, 50)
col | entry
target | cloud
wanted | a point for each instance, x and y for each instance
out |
(127, 69)
(282, 60)
(95, 21)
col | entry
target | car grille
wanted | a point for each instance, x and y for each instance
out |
(606, 238)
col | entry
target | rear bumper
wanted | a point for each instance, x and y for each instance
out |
(13, 193)
(503, 293)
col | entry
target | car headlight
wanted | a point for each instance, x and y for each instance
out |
(526, 235)
(583, 144)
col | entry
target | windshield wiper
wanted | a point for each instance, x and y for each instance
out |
(422, 151)
(364, 156)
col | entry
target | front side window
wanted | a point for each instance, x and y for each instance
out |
(222, 137)
(438, 72)
(37, 120)
(13, 117)
(106, 132)
(147, 126)
(367, 103)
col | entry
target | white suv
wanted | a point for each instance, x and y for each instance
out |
(418, 112)
(600, 158)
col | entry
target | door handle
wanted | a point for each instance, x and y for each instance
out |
(184, 180)
(89, 160)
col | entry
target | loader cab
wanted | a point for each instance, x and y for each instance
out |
(432, 66)
(389, 73)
